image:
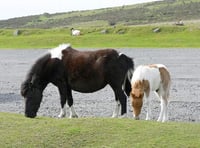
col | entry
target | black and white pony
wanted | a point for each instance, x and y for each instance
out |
(83, 71)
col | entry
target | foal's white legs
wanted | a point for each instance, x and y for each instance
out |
(148, 115)
(117, 109)
(163, 113)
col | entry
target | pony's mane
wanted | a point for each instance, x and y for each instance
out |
(35, 70)
(57, 52)
(38, 66)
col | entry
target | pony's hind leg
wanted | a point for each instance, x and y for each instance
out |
(72, 113)
(163, 113)
(166, 102)
(117, 108)
(148, 115)
(119, 93)
(163, 95)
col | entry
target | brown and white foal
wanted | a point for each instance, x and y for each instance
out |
(148, 78)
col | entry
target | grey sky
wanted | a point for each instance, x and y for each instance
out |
(18, 8)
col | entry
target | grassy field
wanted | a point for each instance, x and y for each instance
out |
(117, 37)
(143, 13)
(18, 131)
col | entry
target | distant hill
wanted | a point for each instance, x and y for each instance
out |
(153, 12)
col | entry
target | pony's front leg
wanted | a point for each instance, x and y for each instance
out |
(120, 98)
(119, 93)
(62, 112)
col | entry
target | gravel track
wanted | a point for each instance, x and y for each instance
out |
(183, 64)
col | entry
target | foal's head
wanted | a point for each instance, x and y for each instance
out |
(137, 95)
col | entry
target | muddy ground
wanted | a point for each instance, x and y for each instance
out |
(183, 64)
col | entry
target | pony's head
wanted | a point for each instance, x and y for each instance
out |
(33, 86)
(137, 95)
(32, 94)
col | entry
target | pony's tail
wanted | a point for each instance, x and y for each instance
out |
(127, 82)
(128, 66)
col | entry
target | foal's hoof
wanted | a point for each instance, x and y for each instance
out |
(73, 116)
(136, 118)
(115, 116)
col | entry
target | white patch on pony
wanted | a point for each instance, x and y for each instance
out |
(151, 74)
(62, 112)
(120, 54)
(57, 52)
(72, 113)
(161, 65)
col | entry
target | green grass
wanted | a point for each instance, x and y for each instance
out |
(135, 36)
(18, 131)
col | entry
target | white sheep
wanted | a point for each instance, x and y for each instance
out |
(75, 32)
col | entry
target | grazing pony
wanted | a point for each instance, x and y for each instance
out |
(75, 32)
(83, 71)
(150, 78)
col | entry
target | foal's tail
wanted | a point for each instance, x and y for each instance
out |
(128, 66)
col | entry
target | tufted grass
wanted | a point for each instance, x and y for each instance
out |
(18, 131)
(133, 36)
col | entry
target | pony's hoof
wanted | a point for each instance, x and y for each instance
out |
(123, 116)
(159, 120)
(114, 116)
(162, 121)
(61, 115)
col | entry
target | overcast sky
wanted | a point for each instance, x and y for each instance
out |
(18, 8)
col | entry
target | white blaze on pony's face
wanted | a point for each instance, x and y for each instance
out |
(57, 52)
(150, 78)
